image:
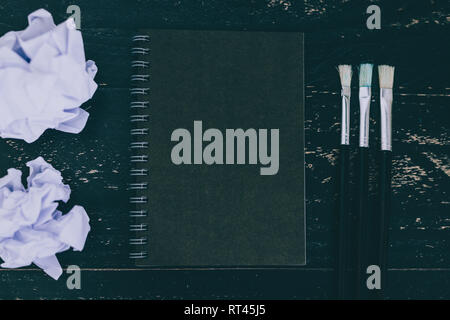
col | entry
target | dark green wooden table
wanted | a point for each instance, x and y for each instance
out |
(413, 37)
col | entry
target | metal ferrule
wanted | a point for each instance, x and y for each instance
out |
(364, 115)
(386, 118)
(345, 122)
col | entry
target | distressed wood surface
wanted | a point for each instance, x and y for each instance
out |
(95, 164)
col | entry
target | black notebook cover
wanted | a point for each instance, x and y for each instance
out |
(217, 215)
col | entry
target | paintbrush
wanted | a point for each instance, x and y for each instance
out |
(345, 74)
(365, 82)
(386, 78)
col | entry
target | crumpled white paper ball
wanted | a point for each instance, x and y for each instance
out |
(32, 230)
(44, 79)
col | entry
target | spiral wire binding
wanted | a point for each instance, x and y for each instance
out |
(139, 146)
(139, 131)
(139, 104)
(138, 172)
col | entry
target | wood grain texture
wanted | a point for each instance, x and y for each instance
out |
(95, 162)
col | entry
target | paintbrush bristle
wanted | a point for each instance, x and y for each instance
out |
(365, 74)
(345, 73)
(386, 75)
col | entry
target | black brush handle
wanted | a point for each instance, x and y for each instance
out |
(343, 220)
(385, 212)
(363, 222)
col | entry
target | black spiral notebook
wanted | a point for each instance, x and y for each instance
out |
(217, 149)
